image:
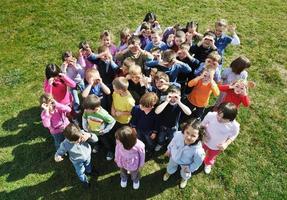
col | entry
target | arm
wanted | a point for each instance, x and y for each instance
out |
(224, 88)
(105, 88)
(197, 160)
(161, 107)
(214, 88)
(235, 39)
(69, 82)
(62, 107)
(46, 118)
(85, 122)
(194, 81)
(198, 71)
(183, 67)
(48, 86)
(184, 108)
(87, 90)
(245, 100)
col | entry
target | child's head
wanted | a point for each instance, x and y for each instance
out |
(73, 133)
(84, 46)
(182, 51)
(52, 70)
(125, 34)
(207, 75)
(92, 74)
(103, 49)
(239, 64)
(220, 27)
(120, 85)
(135, 73)
(155, 37)
(168, 57)
(179, 38)
(67, 56)
(161, 81)
(240, 87)
(192, 27)
(227, 112)
(145, 29)
(126, 136)
(212, 61)
(92, 103)
(173, 93)
(128, 62)
(134, 42)
(192, 131)
(47, 101)
(148, 101)
(208, 39)
(150, 18)
(106, 38)
(156, 52)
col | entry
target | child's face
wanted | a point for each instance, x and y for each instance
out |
(220, 118)
(161, 84)
(211, 63)
(125, 69)
(155, 38)
(179, 40)
(174, 98)
(146, 109)
(93, 79)
(239, 88)
(106, 41)
(156, 55)
(136, 78)
(146, 33)
(191, 29)
(208, 41)
(118, 91)
(135, 47)
(219, 30)
(181, 53)
(190, 135)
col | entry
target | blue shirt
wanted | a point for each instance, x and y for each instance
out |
(142, 121)
(162, 46)
(222, 42)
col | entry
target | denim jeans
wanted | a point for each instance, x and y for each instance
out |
(165, 134)
(81, 168)
(172, 168)
(144, 136)
(58, 138)
(80, 87)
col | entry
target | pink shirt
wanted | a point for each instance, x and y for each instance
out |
(57, 121)
(60, 89)
(218, 133)
(132, 159)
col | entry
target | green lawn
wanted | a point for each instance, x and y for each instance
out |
(34, 33)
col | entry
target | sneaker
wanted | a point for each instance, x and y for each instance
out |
(109, 156)
(166, 176)
(183, 183)
(136, 185)
(158, 147)
(124, 183)
(207, 169)
(95, 150)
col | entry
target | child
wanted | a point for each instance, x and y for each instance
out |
(137, 83)
(123, 101)
(95, 85)
(174, 41)
(106, 41)
(170, 30)
(125, 34)
(144, 35)
(74, 71)
(168, 116)
(84, 52)
(79, 151)
(57, 84)
(191, 33)
(155, 42)
(144, 120)
(139, 56)
(185, 150)
(124, 69)
(203, 48)
(54, 117)
(170, 65)
(151, 19)
(129, 156)
(221, 129)
(99, 121)
(203, 85)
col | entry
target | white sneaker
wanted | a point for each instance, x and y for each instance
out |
(158, 147)
(124, 183)
(136, 185)
(183, 183)
(207, 169)
(166, 176)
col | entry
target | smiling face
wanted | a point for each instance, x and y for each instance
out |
(239, 88)
(190, 135)
(207, 41)
(155, 38)
(106, 41)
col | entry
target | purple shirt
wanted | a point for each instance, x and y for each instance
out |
(132, 159)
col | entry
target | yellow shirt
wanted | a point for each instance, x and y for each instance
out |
(123, 104)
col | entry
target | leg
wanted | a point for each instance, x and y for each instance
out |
(124, 175)
(135, 176)
(76, 103)
(88, 166)
(210, 155)
(171, 167)
(58, 138)
(183, 174)
(80, 170)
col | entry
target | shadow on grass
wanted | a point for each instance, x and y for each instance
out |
(28, 122)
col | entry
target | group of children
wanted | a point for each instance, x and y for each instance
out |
(149, 93)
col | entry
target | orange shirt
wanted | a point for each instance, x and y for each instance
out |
(200, 94)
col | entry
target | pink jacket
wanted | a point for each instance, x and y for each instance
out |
(132, 159)
(57, 121)
(59, 89)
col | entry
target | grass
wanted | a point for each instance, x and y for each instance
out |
(34, 33)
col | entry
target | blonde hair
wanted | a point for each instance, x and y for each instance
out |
(92, 72)
(221, 22)
(121, 83)
(149, 99)
(106, 33)
(135, 70)
(45, 98)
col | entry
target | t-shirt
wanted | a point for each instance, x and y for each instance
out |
(169, 117)
(218, 133)
(142, 121)
(136, 90)
(123, 104)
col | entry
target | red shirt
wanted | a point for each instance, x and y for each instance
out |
(230, 96)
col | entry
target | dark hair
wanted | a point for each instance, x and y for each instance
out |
(209, 33)
(91, 102)
(72, 132)
(149, 16)
(191, 25)
(229, 110)
(84, 45)
(168, 55)
(126, 136)
(145, 26)
(194, 123)
(66, 54)
(52, 70)
(239, 64)
(133, 39)
(173, 89)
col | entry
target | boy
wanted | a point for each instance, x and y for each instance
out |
(168, 116)
(79, 151)
(97, 120)
(221, 130)
(174, 41)
(155, 42)
(144, 120)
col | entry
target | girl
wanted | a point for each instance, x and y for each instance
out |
(125, 34)
(151, 19)
(145, 34)
(129, 155)
(57, 84)
(54, 117)
(191, 33)
(185, 150)
(84, 53)
(106, 40)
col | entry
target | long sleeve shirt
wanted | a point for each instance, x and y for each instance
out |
(56, 121)
(224, 40)
(142, 121)
(132, 159)
(76, 73)
(182, 154)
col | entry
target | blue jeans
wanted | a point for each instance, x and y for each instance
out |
(79, 87)
(58, 138)
(172, 168)
(81, 168)
(144, 136)
(165, 134)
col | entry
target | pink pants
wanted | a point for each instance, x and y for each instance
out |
(210, 155)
